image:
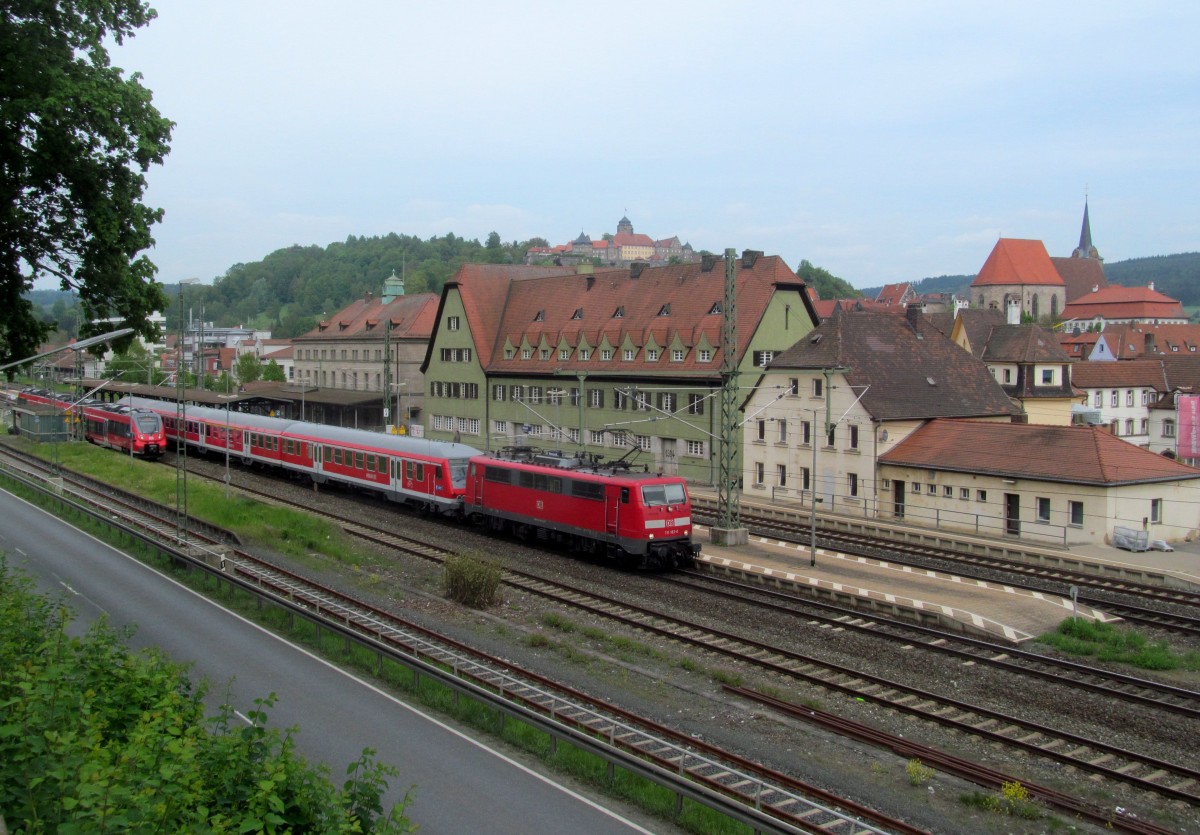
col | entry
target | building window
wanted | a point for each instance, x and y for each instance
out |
(762, 431)
(544, 354)
(1168, 430)
(509, 353)
(526, 353)
(585, 354)
(805, 432)
(1008, 376)
(931, 489)
(981, 495)
(1145, 397)
(535, 394)
(651, 355)
(1098, 401)
(627, 355)
(573, 436)
(677, 355)
(516, 394)
(1145, 429)
(818, 387)
(763, 358)
(832, 436)
(782, 431)
(452, 323)
(853, 436)
(564, 353)
(695, 448)
(1156, 507)
(1075, 514)
(596, 398)
(1043, 509)
(1047, 376)
(705, 355)
(1115, 400)
(606, 354)
(805, 478)
(853, 486)
(666, 402)
(947, 491)
(695, 404)
(758, 473)
(916, 487)
(1129, 426)
(498, 392)
(596, 436)
(554, 397)
(964, 494)
(500, 427)
(643, 442)
(1129, 397)
(781, 475)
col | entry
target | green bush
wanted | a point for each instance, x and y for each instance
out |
(473, 580)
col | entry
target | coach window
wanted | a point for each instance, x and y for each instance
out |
(408, 470)
(624, 495)
(420, 472)
(370, 463)
(358, 460)
(327, 454)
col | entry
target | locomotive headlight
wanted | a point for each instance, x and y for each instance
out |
(652, 536)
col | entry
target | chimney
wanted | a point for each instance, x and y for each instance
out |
(1095, 288)
(749, 256)
(1014, 313)
(707, 262)
(912, 314)
(1151, 286)
(635, 269)
(591, 279)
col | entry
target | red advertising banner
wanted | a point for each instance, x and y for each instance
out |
(1188, 442)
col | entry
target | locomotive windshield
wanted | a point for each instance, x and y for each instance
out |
(657, 495)
(458, 471)
(148, 423)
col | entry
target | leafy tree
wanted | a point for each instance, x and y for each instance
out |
(247, 368)
(273, 373)
(136, 365)
(828, 286)
(98, 739)
(78, 138)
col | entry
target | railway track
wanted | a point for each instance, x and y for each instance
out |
(1138, 692)
(798, 806)
(1166, 779)
(1091, 756)
(1124, 598)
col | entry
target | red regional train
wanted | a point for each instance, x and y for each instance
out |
(138, 432)
(635, 519)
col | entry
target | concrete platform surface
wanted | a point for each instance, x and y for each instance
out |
(981, 608)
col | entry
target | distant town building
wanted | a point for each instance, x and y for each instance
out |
(619, 250)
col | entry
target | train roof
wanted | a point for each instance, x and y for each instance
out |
(399, 444)
(573, 466)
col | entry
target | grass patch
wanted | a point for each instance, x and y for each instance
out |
(1106, 642)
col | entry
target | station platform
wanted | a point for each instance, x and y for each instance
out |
(988, 610)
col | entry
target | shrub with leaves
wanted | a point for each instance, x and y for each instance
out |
(473, 579)
(94, 738)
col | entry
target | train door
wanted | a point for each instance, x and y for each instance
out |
(613, 500)
(670, 465)
(898, 499)
(1012, 514)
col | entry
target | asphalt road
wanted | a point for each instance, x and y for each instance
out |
(461, 785)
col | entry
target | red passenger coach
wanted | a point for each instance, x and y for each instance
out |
(639, 520)
(136, 431)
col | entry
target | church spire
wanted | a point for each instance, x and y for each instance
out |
(1086, 249)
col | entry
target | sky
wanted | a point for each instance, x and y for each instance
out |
(882, 141)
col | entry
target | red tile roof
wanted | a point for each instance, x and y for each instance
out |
(1115, 302)
(1081, 454)
(1017, 261)
(1080, 275)
(412, 317)
(1131, 341)
(1094, 375)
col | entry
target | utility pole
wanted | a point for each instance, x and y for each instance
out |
(729, 530)
(387, 376)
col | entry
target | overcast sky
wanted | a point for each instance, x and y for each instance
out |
(883, 141)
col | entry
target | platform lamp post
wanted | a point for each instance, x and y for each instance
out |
(181, 498)
(812, 551)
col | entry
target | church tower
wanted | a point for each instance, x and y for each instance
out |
(625, 225)
(1085, 248)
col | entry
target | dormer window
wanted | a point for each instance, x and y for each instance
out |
(665, 310)
(578, 313)
(619, 313)
(715, 310)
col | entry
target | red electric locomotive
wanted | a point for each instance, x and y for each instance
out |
(640, 520)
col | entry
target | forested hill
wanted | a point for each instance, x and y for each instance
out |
(1177, 276)
(289, 290)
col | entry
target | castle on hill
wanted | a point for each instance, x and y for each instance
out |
(619, 250)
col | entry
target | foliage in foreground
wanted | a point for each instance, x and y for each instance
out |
(95, 738)
(472, 580)
(1105, 642)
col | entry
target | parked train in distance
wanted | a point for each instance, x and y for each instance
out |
(138, 432)
(635, 519)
